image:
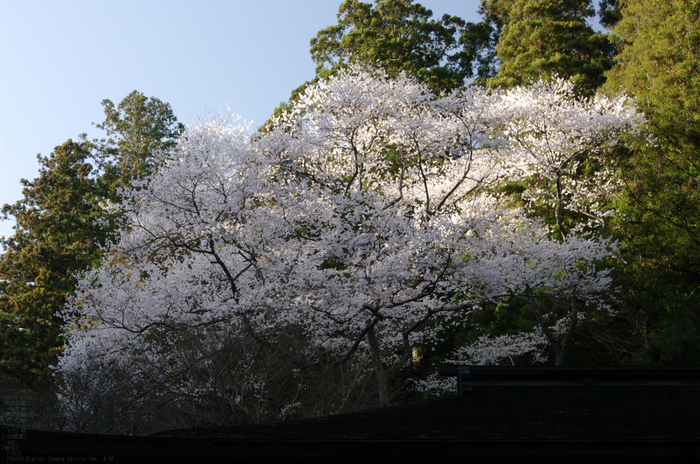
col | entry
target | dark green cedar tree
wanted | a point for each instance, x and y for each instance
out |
(55, 236)
(61, 224)
(136, 129)
(540, 39)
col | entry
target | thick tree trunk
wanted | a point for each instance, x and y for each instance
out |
(559, 346)
(573, 321)
(560, 357)
(559, 208)
(382, 377)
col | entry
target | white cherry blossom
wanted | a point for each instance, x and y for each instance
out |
(360, 219)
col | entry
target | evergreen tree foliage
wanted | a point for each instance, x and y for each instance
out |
(400, 36)
(61, 224)
(544, 38)
(136, 128)
(610, 13)
(658, 64)
(56, 236)
(495, 14)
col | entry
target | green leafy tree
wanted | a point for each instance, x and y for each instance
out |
(658, 64)
(61, 223)
(543, 38)
(136, 128)
(56, 236)
(495, 14)
(610, 13)
(400, 36)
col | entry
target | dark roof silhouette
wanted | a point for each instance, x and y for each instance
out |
(640, 413)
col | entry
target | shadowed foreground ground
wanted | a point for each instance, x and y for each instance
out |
(643, 414)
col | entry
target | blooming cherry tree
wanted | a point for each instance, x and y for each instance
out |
(553, 134)
(360, 218)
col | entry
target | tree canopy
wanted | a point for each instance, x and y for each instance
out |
(136, 129)
(546, 38)
(659, 57)
(63, 221)
(400, 36)
(391, 209)
(56, 235)
(357, 227)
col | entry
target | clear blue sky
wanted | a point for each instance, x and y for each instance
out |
(60, 58)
